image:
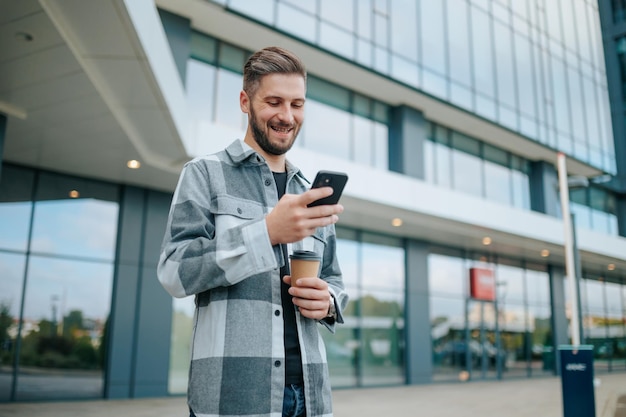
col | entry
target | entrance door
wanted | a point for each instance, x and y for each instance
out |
(484, 352)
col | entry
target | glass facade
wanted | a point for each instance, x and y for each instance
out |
(603, 313)
(505, 338)
(56, 271)
(594, 208)
(456, 161)
(214, 80)
(534, 67)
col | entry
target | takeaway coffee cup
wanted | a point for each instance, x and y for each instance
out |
(304, 263)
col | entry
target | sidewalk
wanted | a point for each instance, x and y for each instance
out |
(516, 398)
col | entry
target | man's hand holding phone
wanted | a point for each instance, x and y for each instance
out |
(297, 216)
(292, 220)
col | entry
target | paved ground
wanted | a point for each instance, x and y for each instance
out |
(517, 398)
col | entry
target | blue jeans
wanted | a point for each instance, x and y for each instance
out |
(293, 402)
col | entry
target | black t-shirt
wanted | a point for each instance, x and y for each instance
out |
(293, 359)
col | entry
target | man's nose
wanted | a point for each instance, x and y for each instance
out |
(286, 114)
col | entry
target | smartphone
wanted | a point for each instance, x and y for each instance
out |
(336, 180)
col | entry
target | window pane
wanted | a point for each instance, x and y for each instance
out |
(200, 96)
(11, 280)
(337, 40)
(297, 22)
(510, 284)
(84, 226)
(458, 37)
(497, 183)
(15, 207)
(333, 142)
(525, 81)
(381, 146)
(433, 36)
(504, 65)
(383, 268)
(65, 313)
(180, 349)
(262, 10)
(444, 169)
(404, 35)
(363, 144)
(227, 110)
(481, 50)
(467, 173)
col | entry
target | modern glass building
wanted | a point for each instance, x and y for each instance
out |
(447, 115)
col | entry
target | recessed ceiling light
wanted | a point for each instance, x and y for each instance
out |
(133, 164)
(397, 222)
(545, 253)
(74, 194)
(611, 267)
(486, 241)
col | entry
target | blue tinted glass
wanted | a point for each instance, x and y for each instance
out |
(81, 227)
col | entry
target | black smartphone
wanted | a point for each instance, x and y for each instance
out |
(336, 180)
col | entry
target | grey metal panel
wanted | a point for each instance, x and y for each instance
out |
(155, 306)
(153, 338)
(157, 211)
(122, 333)
(130, 224)
(417, 322)
(407, 133)
(118, 381)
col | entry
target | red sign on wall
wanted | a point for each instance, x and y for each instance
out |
(482, 284)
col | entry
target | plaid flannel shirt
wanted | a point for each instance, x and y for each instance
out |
(217, 247)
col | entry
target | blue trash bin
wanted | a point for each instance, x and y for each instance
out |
(577, 380)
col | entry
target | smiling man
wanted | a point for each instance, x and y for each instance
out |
(235, 215)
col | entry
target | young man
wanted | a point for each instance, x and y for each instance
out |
(235, 216)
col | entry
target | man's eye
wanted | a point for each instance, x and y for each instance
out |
(273, 103)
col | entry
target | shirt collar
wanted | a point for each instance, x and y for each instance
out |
(240, 152)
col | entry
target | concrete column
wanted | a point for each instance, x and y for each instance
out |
(544, 192)
(419, 366)
(407, 133)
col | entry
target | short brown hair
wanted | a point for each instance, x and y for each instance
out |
(270, 60)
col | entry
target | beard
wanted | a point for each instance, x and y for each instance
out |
(264, 142)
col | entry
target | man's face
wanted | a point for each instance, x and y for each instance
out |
(276, 112)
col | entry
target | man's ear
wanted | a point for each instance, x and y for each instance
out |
(244, 102)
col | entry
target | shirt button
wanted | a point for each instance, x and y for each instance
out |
(239, 210)
(268, 182)
(277, 364)
(277, 313)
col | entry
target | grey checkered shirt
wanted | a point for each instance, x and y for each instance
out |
(217, 247)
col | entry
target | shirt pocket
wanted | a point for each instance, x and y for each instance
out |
(240, 208)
